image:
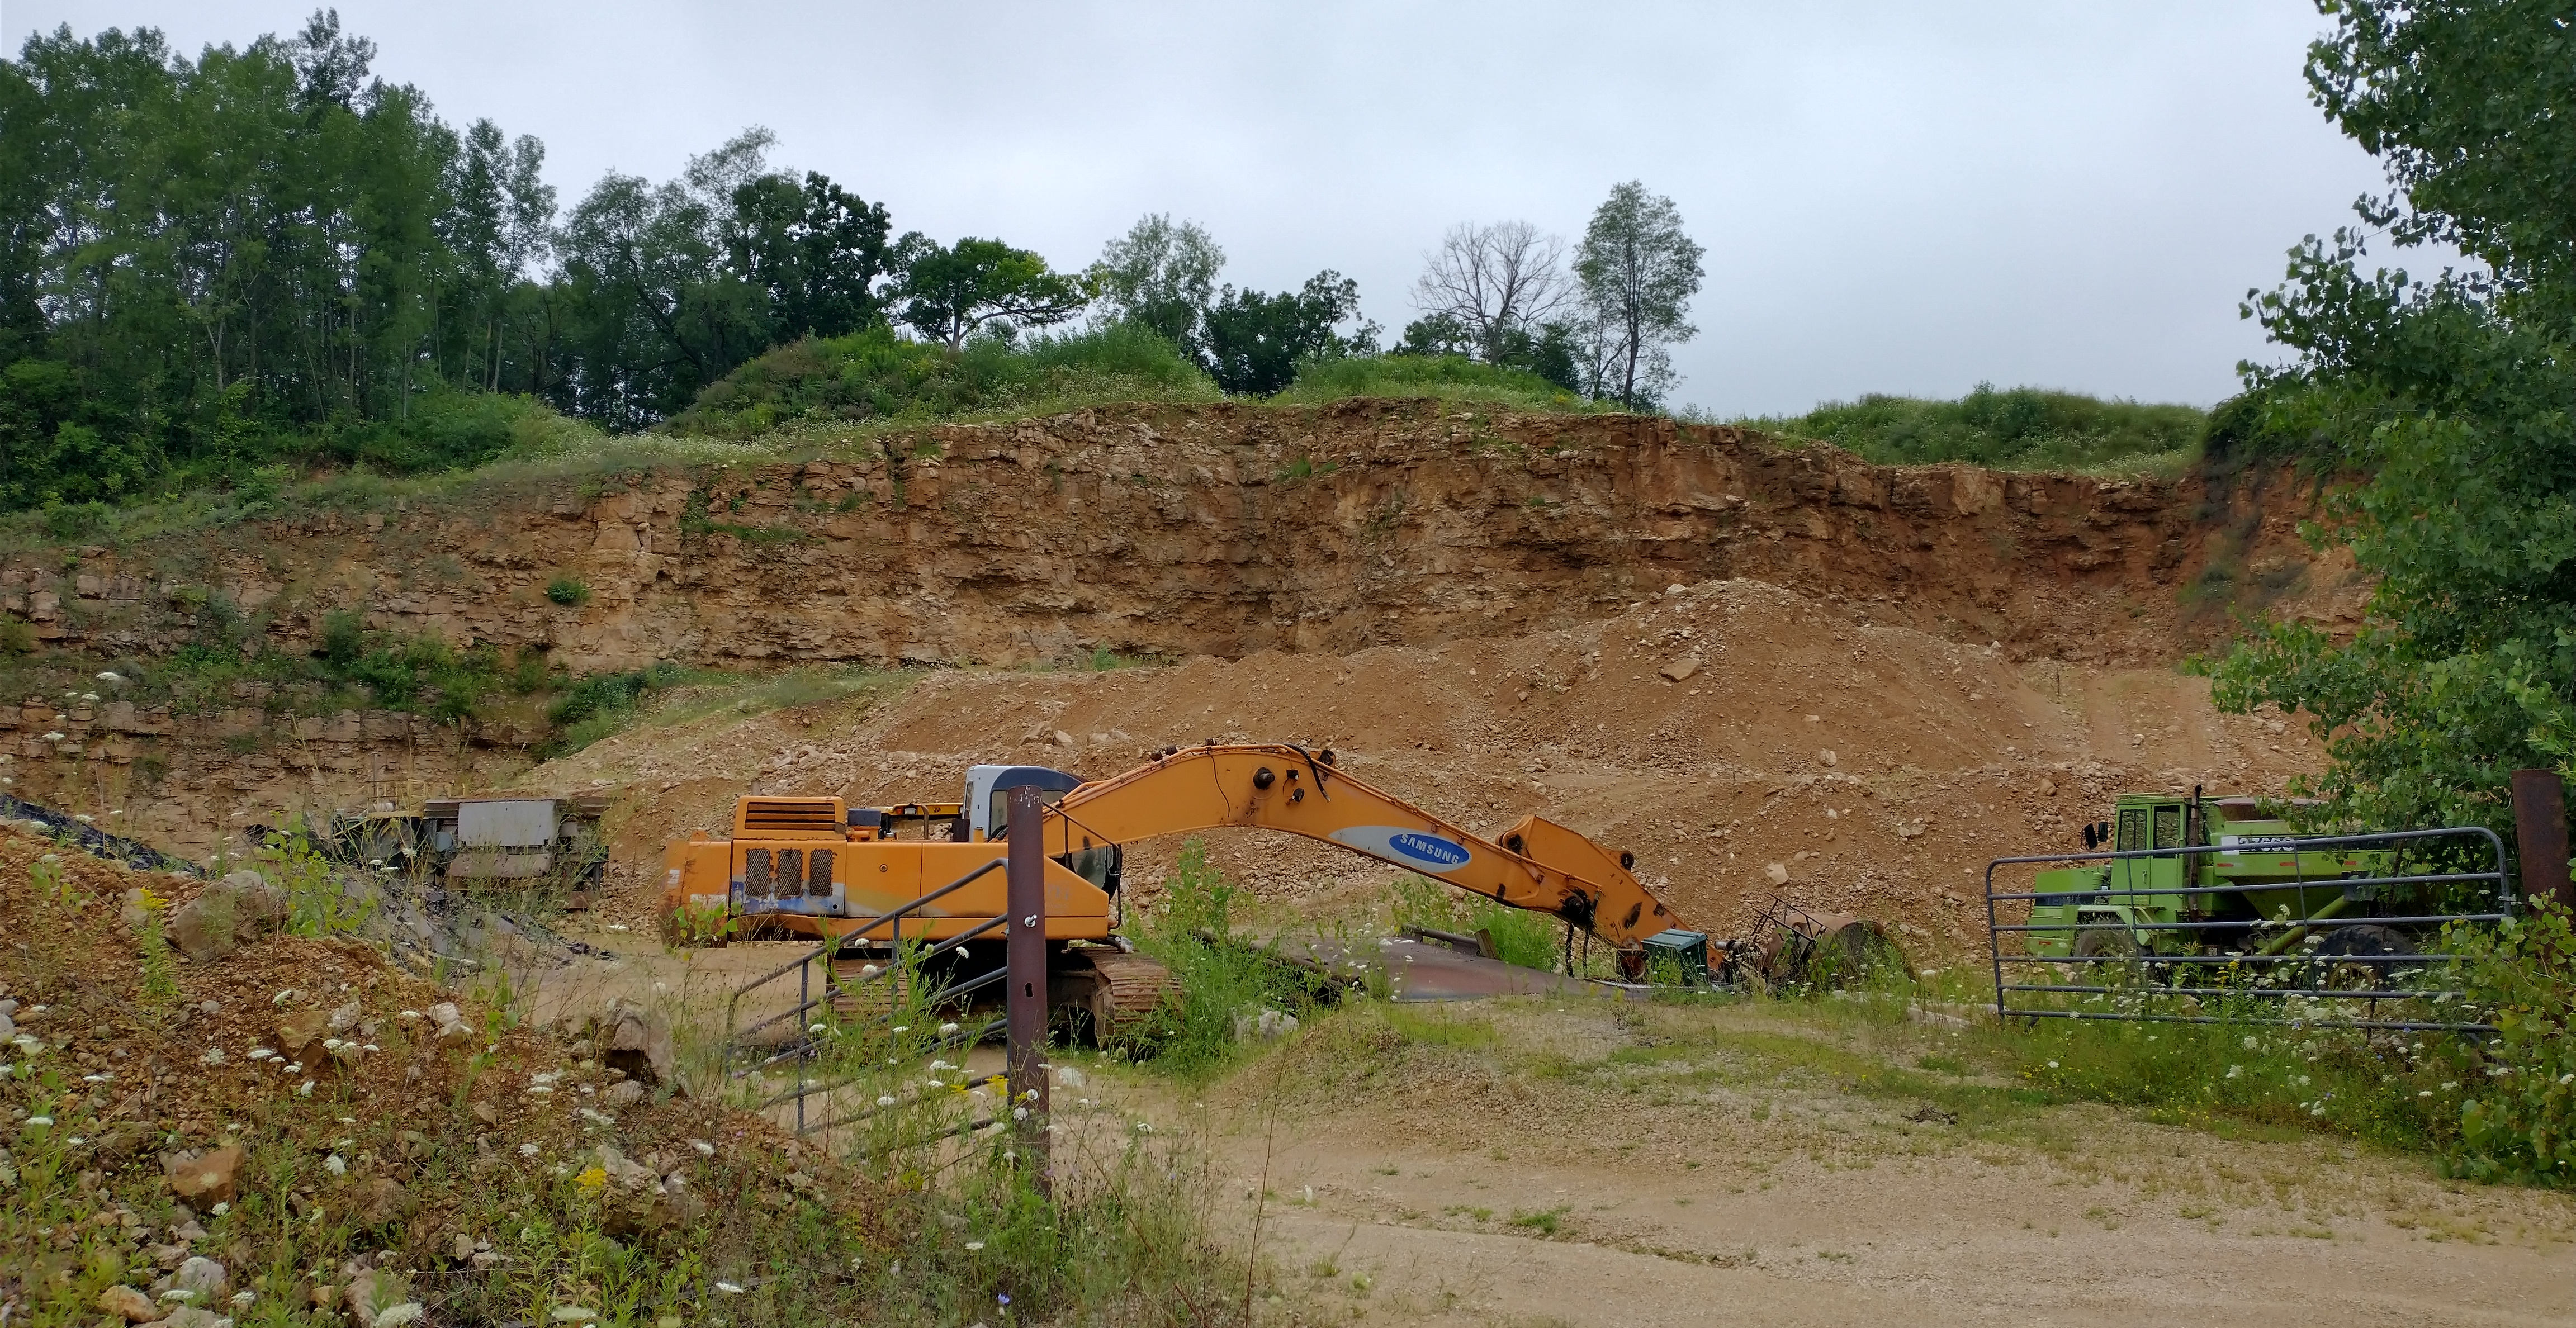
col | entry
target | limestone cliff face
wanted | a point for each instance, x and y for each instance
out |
(1170, 532)
(1220, 530)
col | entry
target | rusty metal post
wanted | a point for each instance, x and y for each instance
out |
(1026, 1006)
(2540, 835)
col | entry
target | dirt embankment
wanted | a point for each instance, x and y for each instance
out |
(1221, 530)
(1349, 561)
(1806, 748)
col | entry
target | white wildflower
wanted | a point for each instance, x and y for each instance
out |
(335, 1165)
(729, 1288)
(973, 1246)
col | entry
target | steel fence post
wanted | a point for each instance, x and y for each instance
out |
(1026, 953)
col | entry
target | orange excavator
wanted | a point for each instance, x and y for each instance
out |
(816, 867)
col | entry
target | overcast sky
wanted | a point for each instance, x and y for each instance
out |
(1895, 197)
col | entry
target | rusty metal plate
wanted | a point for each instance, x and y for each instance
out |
(1423, 971)
(506, 823)
(488, 866)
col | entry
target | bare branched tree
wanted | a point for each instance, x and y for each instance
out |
(1495, 280)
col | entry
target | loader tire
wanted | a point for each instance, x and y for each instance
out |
(2116, 953)
(2105, 943)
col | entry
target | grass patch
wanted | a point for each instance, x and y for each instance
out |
(1519, 936)
(666, 696)
(874, 375)
(2022, 428)
(1445, 377)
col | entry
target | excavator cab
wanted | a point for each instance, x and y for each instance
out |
(987, 814)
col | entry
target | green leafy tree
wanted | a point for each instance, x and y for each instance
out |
(1435, 334)
(816, 249)
(2451, 398)
(1256, 341)
(1638, 271)
(948, 293)
(1162, 276)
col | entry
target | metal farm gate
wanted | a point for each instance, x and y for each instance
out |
(2201, 968)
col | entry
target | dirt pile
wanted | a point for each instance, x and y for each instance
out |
(1739, 737)
(299, 1122)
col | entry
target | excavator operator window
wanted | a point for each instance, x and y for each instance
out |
(2168, 827)
(2133, 830)
(1001, 810)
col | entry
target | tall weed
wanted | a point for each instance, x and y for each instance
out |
(1532, 940)
(1218, 976)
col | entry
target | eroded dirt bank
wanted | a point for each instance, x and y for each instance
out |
(1301, 545)
(1221, 530)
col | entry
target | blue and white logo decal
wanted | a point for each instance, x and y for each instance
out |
(1414, 848)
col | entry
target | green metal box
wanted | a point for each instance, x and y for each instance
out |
(1685, 950)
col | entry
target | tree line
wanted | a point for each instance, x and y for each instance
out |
(211, 264)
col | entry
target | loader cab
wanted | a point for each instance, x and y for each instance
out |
(2147, 823)
(987, 815)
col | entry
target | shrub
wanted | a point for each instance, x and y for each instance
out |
(2518, 1110)
(448, 430)
(568, 591)
(601, 704)
(873, 374)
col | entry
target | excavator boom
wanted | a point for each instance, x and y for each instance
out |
(1539, 865)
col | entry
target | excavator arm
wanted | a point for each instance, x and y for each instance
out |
(1539, 865)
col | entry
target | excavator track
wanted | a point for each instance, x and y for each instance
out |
(857, 996)
(1126, 989)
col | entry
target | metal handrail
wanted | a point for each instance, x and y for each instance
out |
(863, 929)
(932, 953)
